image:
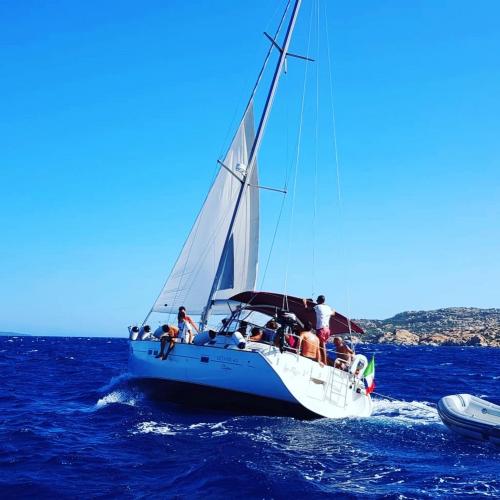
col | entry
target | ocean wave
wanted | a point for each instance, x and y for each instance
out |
(85, 423)
(116, 380)
(200, 429)
(208, 425)
(152, 427)
(117, 397)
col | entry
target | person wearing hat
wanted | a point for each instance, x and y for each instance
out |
(344, 354)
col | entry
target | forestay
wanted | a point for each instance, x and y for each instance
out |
(191, 279)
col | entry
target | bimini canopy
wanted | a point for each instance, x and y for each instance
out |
(270, 303)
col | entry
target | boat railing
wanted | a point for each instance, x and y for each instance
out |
(336, 381)
(295, 348)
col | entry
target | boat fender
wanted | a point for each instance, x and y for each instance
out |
(160, 331)
(204, 337)
(145, 332)
(133, 332)
(358, 365)
(238, 340)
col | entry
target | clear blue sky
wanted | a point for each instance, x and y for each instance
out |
(113, 115)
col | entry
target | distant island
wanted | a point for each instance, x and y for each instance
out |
(13, 334)
(453, 326)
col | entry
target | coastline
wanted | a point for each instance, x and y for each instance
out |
(406, 338)
(453, 326)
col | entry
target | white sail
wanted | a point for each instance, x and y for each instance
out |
(191, 279)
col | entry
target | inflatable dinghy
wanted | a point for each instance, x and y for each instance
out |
(471, 417)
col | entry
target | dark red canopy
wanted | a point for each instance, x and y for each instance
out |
(269, 303)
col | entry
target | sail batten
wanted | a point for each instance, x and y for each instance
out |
(192, 277)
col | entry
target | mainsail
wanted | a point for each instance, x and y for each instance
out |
(192, 277)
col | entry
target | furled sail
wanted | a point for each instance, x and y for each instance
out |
(191, 279)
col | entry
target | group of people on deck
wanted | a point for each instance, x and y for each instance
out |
(183, 331)
(310, 342)
(313, 341)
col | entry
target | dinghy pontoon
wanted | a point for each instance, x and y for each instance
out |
(471, 416)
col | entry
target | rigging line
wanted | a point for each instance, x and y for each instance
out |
(273, 241)
(337, 162)
(268, 55)
(257, 82)
(315, 183)
(255, 148)
(272, 18)
(195, 266)
(297, 159)
(287, 169)
(254, 90)
(288, 166)
(334, 123)
(430, 410)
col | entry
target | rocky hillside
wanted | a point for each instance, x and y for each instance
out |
(450, 326)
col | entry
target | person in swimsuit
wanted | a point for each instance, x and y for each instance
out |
(270, 331)
(309, 345)
(186, 326)
(257, 334)
(169, 337)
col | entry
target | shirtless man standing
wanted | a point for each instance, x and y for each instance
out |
(309, 344)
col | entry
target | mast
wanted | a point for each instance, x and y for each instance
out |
(255, 149)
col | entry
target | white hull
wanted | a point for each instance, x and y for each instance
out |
(259, 370)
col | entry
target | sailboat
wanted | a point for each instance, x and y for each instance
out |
(216, 273)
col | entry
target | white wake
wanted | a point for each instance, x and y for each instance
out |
(407, 412)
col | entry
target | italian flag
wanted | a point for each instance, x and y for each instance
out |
(369, 376)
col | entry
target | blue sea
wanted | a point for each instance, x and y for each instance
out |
(74, 426)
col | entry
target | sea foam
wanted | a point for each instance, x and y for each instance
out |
(407, 412)
(117, 397)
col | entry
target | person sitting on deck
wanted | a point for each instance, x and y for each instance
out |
(309, 345)
(257, 334)
(270, 331)
(344, 354)
(286, 337)
(331, 355)
(168, 336)
(243, 328)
